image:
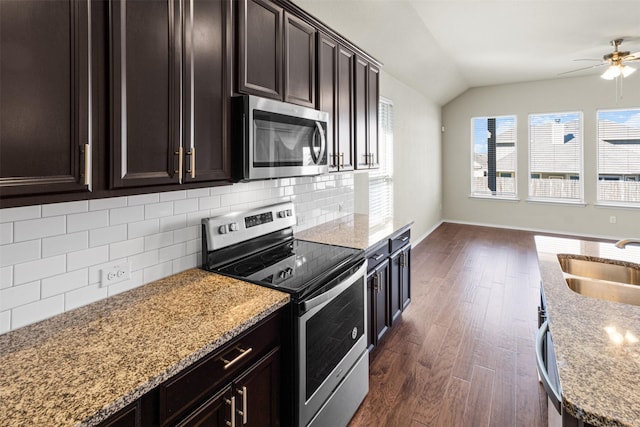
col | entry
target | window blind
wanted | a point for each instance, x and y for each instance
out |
(555, 156)
(619, 156)
(381, 180)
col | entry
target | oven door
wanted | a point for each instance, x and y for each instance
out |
(331, 339)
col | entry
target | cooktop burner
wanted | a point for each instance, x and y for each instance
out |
(292, 266)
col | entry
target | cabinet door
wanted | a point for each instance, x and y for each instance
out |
(215, 412)
(45, 111)
(373, 90)
(126, 417)
(206, 90)
(260, 48)
(395, 286)
(328, 91)
(406, 277)
(145, 89)
(299, 62)
(360, 115)
(257, 393)
(378, 285)
(344, 122)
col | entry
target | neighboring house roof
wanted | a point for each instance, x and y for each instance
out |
(618, 149)
(563, 156)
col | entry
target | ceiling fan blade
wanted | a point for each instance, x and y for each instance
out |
(588, 59)
(632, 57)
(585, 68)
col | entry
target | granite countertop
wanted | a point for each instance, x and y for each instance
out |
(597, 342)
(82, 366)
(353, 231)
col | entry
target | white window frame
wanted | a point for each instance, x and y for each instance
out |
(383, 176)
(557, 200)
(497, 196)
(599, 200)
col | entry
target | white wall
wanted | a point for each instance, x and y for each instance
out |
(51, 255)
(417, 189)
(586, 94)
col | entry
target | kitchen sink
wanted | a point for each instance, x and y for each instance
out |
(600, 269)
(602, 289)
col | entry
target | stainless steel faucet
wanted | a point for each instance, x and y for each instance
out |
(624, 242)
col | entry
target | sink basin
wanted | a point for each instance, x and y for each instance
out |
(610, 291)
(601, 270)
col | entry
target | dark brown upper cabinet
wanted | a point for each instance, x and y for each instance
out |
(206, 90)
(276, 53)
(46, 113)
(335, 96)
(260, 48)
(299, 61)
(366, 114)
(145, 92)
(162, 49)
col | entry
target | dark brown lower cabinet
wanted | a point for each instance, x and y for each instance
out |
(127, 417)
(378, 286)
(400, 281)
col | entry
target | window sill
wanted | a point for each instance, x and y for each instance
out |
(558, 202)
(501, 198)
(620, 205)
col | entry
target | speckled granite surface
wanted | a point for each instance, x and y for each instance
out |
(596, 341)
(84, 365)
(353, 231)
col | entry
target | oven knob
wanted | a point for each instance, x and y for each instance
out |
(289, 271)
(234, 226)
(282, 214)
(289, 212)
(223, 229)
(282, 274)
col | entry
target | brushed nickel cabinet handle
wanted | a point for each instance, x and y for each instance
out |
(244, 414)
(192, 162)
(87, 164)
(378, 257)
(342, 160)
(230, 363)
(180, 154)
(232, 402)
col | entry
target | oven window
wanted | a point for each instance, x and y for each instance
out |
(281, 140)
(330, 334)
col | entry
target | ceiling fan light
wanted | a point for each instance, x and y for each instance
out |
(612, 72)
(627, 70)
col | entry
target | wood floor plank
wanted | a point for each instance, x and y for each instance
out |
(462, 352)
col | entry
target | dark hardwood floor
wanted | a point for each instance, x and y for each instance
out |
(463, 353)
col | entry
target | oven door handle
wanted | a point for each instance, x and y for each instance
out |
(333, 292)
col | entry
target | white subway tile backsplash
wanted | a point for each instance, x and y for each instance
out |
(19, 295)
(66, 208)
(63, 283)
(126, 215)
(16, 253)
(83, 296)
(157, 210)
(66, 243)
(6, 233)
(143, 199)
(173, 195)
(38, 228)
(39, 269)
(20, 214)
(6, 277)
(126, 248)
(106, 235)
(87, 257)
(159, 234)
(110, 203)
(39, 310)
(87, 221)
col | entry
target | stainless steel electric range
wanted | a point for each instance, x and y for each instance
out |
(328, 296)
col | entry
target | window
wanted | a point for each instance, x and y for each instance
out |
(619, 156)
(555, 157)
(493, 164)
(381, 180)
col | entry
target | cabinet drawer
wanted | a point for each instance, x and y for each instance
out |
(200, 381)
(399, 241)
(377, 255)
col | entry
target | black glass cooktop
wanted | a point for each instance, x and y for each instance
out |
(295, 266)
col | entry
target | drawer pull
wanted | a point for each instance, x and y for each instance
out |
(404, 239)
(378, 257)
(230, 363)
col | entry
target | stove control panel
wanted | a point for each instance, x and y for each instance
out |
(236, 227)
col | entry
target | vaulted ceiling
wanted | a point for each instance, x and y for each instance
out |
(443, 47)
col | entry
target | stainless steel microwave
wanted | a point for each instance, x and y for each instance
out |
(274, 139)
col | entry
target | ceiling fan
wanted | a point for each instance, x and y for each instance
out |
(616, 60)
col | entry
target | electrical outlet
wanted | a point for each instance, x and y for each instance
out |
(612, 219)
(115, 274)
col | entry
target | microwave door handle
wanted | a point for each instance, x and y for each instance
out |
(323, 142)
